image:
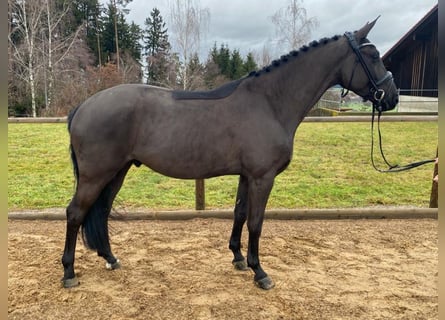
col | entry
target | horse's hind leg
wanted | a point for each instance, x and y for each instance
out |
(240, 217)
(89, 208)
(76, 211)
(114, 187)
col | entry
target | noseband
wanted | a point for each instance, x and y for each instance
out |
(377, 94)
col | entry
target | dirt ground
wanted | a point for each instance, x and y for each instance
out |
(344, 269)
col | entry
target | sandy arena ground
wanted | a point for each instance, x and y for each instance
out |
(345, 269)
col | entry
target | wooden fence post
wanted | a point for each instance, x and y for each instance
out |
(200, 203)
(435, 186)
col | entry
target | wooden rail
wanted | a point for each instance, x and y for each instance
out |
(38, 120)
(277, 214)
(358, 118)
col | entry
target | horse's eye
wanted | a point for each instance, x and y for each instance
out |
(376, 56)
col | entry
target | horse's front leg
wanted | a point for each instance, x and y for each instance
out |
(240, 216)
(258, 194)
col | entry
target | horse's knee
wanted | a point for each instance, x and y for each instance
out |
(73, 220)
(74, 215)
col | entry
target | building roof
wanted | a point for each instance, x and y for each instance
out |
(421, 29)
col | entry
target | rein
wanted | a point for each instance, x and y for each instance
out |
(377, 94)
(391, 167)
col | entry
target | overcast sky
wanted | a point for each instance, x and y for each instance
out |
(245, 24)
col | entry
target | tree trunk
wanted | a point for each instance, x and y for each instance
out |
(29, 38)
(50, 59)
(116, 38)
(32, 87)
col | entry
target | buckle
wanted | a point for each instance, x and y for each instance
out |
(379, 95)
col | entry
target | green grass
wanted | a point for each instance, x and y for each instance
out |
(361, 107)
(330, 169)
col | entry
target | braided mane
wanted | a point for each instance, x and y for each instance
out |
(292, 55)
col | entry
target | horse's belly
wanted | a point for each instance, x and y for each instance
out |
(188, 164)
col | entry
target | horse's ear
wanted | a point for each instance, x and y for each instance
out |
(363, 32)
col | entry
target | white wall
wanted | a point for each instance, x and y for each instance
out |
(417, 104)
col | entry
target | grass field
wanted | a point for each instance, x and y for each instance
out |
(330, 169)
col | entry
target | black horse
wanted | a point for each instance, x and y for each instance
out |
(244, 128)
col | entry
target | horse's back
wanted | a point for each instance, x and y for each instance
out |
(113, 107)
(119, 99)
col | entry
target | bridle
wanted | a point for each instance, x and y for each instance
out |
(376, 95)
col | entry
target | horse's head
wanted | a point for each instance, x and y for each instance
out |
(364, 73)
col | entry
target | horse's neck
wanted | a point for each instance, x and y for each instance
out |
(293, 89)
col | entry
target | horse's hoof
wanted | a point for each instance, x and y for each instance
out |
(240, 265)
(113, 266)
(70, 283)
(265, 283)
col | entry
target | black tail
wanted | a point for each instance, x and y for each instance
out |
(95, 224)
(73, 155)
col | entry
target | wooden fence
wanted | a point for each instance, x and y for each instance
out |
(352, 118)
(276, 214)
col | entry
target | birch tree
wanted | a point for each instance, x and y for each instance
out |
(292, 25)
(189, 23)
(38, 45)
(56, 47)
(24, 36)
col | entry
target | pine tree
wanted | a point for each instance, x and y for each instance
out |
(89, 13)
(212, 72)
(250, 64)
(223, 65)
(156, 49)
(131, 34)
(128, 36)
(196, 74)
(223, 60)
(236, 65)
(117, 13)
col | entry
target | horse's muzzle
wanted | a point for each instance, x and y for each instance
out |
(388, 103)
(386, 97)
